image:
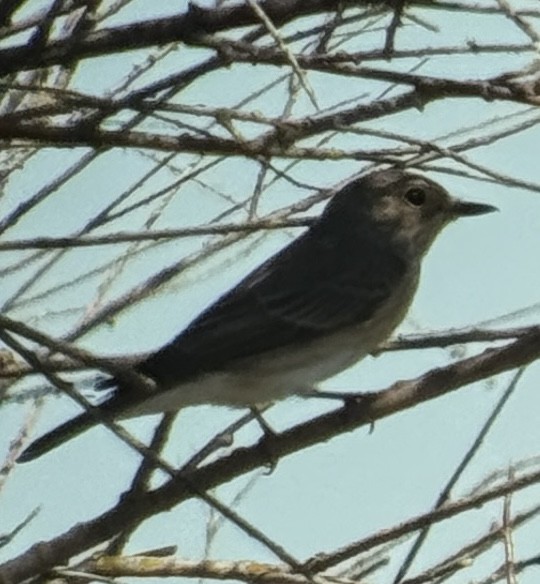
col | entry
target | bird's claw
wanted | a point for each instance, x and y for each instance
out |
(266, 442)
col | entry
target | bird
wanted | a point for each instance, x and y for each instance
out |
(314, 309)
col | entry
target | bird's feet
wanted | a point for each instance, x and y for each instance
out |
(266, 443)
(351, 399)
(344, 396)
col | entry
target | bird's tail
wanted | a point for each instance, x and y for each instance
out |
(58, 436)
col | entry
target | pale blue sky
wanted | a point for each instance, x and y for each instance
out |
(478, 270)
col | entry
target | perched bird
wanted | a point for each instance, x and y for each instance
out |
(312, 310)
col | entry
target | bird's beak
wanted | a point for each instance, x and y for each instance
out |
(461, 208)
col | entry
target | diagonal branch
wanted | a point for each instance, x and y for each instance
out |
(354, 414)
(170, 29)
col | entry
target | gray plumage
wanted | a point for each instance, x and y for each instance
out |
(314, 309)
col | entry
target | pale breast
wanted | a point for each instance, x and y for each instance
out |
(294, 369)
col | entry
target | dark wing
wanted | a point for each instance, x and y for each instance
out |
(321, 282)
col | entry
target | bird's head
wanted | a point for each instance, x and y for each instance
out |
(407, 208)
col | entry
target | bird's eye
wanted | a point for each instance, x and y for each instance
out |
(416, 197)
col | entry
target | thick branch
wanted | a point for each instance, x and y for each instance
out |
(160, 31)
(355, 413)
